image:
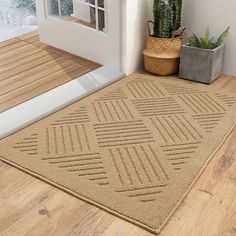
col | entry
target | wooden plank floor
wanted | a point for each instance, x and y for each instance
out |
(29, 68)
(33, 208)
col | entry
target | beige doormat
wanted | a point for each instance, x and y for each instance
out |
(134, 148)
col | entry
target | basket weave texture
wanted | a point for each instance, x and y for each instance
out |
(161, 55)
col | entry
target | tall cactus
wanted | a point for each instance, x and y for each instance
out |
(165, 21)
(156, 14)
(167, 17)
(177, 5)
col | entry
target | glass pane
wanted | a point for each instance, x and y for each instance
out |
(101, 20)
(60, 8)
(84, 12)
(90, 2)
(101, 3)
(53, 8)
(66, 8)
(92, 16)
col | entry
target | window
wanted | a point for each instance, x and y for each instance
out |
(90, 13)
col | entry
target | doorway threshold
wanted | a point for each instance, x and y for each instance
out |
(56, 99)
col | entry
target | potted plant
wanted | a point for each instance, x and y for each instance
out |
(201, 58)
(162, 53)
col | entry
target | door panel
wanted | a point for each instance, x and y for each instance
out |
(87, 28)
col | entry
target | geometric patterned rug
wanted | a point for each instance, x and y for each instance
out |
(134, 148)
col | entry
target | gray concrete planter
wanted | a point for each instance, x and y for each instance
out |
(201, 65)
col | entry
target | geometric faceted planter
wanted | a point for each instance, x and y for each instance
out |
(201, 65)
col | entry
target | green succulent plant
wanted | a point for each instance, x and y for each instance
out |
(206, 41)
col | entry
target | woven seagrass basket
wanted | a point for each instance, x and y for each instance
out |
(162, 55)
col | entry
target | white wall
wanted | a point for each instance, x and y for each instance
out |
(197, 14)
(135, 33)
(218, 14)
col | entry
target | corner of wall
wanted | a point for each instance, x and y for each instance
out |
(134, 34)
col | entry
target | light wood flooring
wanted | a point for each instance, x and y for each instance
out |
(33, 208)
(29, 68)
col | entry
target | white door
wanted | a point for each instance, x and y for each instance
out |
(87, 28)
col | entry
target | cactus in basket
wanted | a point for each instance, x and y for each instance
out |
(167, 17)
(161, 56)
(177, 5)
